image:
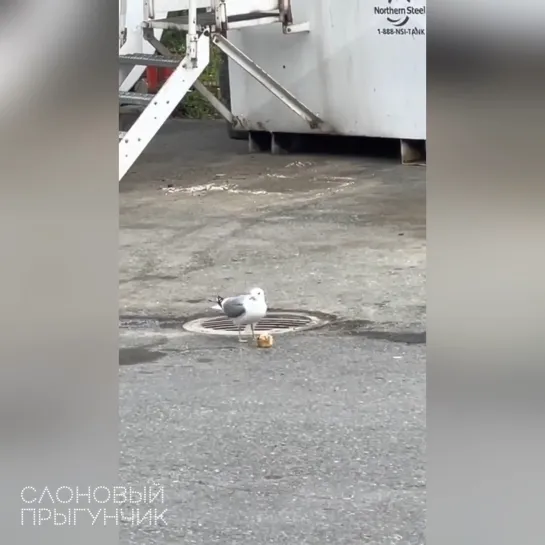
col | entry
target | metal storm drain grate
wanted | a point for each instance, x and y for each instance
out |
(274, 323)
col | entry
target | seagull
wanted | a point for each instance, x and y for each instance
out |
(244, 310)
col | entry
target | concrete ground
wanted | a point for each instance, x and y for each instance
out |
(320, 439)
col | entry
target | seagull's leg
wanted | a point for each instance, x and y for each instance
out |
(240, 339)
(253, 332)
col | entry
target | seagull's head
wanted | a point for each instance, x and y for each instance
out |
(257, 293)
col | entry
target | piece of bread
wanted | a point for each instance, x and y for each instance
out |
(265, 341)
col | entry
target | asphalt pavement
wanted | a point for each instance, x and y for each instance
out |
(321, 438)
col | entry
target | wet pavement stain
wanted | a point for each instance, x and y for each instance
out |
(366, 329)
(139, 355)
(205, 360)
(402, 337)
(335, 326)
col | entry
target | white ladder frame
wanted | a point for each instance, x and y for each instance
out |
(186, 75)
(156, 113)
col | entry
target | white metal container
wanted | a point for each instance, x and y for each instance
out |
(361, 68)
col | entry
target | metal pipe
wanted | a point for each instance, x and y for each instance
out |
(192, 11)
(122, 23)
(191, 39)
(215, 102)
(149, 10)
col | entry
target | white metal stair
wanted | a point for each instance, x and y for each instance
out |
(202, 27)
(149, 60)
(208, 20)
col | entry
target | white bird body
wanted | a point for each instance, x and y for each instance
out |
(245, 309)
(255, 310)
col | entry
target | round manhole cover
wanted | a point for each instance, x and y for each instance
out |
(273, 323)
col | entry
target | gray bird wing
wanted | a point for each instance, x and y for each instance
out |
(234, 306)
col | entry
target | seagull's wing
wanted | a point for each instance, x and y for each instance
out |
(234, 306)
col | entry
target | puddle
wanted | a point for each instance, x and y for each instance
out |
(331, 325)
(367, 329)
(139, 355)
